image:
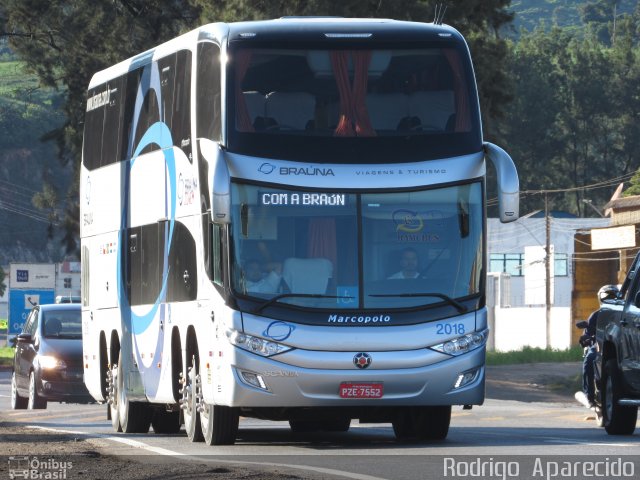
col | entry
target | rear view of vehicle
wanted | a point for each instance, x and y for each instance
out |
(618, 337)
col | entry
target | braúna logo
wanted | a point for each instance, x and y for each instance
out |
(266, 168)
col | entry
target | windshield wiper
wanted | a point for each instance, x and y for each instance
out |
(277, 298)
(461, 308)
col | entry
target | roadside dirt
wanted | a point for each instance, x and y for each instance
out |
(534, 382)
(75, 457)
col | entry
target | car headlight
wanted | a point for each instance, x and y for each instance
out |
(463, 344)
(254, 344)
(48, 362)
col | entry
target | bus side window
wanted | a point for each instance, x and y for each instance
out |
(167, 68)
(93, 124)
(131, 90)
(112, 133)
(208, 95)
(180, 117)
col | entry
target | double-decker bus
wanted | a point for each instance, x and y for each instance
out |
(286, 220)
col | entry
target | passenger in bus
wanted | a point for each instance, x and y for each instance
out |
(257, 281)
(409, 263)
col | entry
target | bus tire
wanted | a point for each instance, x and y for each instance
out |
(219, 424)
(17, 402)
(337, 425)
(618, 419)
(164, 422)
(436, 422)
(422, 423)
(134, 417)
(192, 423)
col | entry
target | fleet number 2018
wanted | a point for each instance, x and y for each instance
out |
(450, 328)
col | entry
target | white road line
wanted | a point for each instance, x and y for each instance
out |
(171, 453)
(582, 442)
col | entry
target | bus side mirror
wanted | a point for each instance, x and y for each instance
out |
(508, 183)
(219, 181)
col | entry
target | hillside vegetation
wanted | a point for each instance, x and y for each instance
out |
(570, 14)
(27, 113)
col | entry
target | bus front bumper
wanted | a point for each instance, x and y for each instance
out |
(254, 381)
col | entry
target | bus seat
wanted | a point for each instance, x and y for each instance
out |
(432, 108)
(307, 275)
(386, 110)
(291, 109)
(255, 104)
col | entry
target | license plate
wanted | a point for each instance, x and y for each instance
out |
(361, 390)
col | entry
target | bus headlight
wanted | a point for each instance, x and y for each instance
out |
(463, 344)
(257, 345)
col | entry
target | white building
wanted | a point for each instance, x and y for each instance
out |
(519, 318)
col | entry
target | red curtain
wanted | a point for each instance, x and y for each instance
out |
(322, 240)
(354, 117)
(463, 120)
(243, 118)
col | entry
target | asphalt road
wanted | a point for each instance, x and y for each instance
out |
(499, 429)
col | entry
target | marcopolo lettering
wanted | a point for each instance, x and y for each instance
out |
(359, 319)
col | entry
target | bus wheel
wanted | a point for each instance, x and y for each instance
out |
(422, 423)
(134, 417)
(337, 425)
(618, 419)
(219, 424)
(189, 404)
(112, 397)
(166, 422)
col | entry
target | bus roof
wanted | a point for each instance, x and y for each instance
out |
(304, 29)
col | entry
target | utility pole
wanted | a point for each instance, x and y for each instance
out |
(547, 266)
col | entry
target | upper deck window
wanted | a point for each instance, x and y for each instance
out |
(423, 97)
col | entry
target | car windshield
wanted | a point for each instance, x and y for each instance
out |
(62, 324)
(323, 249)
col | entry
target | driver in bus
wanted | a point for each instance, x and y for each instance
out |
(255, 279)
(408, 265)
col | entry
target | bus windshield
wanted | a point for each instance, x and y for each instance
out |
(332, 250)
(408, 99)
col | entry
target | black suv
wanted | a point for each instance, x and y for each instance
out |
(618, 364)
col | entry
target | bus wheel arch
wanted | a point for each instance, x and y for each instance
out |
(176, 363)
(103, 367)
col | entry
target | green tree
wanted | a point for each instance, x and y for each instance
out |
(574, 120)
(65, 43)
(634, 186)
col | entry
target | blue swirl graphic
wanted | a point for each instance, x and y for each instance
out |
(158, 134)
